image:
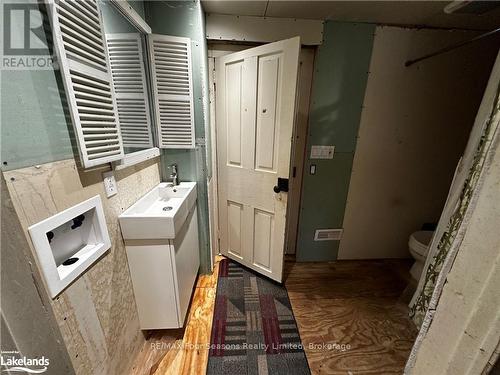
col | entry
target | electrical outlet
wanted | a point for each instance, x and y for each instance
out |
(109, 184)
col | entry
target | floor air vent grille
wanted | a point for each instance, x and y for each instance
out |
(328, 234)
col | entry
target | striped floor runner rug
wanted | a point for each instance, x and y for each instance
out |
(253, 331)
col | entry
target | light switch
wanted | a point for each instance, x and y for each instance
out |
(109, 184)
(312, 169)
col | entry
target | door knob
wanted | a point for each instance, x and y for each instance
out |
(282, 185)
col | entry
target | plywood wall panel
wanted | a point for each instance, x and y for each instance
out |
(96, 314)
(28, 322)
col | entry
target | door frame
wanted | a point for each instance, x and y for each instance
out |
(212, 184)
(299, 146)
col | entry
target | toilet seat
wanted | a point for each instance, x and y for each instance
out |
(418, 244)
(419, 241)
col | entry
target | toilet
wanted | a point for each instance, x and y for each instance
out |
(418, 245)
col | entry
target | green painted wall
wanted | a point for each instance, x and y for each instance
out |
(35, 129)
(339, 82)
(186, 19)
(34, 126)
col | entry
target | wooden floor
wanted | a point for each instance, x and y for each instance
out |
(349, 313)
(183, 351)
(350, 316)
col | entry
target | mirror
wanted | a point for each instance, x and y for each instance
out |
(127, 52)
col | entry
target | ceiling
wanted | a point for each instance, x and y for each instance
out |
(405, 13)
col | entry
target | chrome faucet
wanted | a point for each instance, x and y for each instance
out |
(173, 175)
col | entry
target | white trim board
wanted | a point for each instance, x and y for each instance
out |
(136, 157)
(213, 201)
(132, 16)
(263, 29)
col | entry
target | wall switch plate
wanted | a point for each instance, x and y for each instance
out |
(322, 152)
(109, 183)
(312, 169)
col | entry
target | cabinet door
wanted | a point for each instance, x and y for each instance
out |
(187, 262)
(153, 281)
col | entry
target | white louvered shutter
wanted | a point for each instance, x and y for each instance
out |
(81, 51)
(173, 89)
(129, 83)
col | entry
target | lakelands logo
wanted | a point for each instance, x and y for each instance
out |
(24, 40)
(11, 361)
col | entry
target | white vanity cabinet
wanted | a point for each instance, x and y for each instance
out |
(163, 275)
(163, 270)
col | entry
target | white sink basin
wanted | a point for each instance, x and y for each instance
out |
(160, 213)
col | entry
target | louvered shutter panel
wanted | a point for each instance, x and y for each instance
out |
(129, 82)
(81, 51)
(173, 89)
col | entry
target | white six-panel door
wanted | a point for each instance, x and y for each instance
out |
(255, 112)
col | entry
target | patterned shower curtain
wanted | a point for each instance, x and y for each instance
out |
(452, 224)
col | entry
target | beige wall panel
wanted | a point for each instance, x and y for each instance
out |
(414, 127)
(263, 29)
